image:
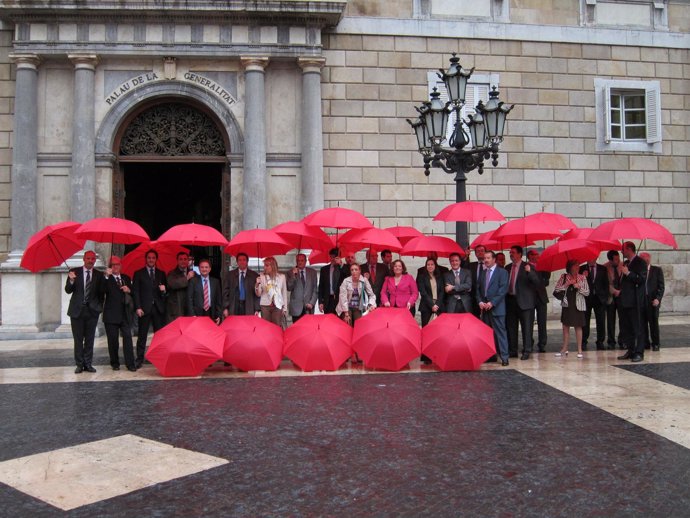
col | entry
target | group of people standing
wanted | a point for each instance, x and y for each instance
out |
(505, 297)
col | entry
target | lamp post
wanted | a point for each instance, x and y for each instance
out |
(463, 153)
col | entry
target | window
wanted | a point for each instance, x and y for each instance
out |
(628, 115)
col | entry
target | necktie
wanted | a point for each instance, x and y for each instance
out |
(513, 277)
(331, 280)
(372, 273)
(242, 293)
(207, 298)
(457, 275)
(487, 275)
(304, 281)
(152, 275)
(646, 279)
(118, 280)
(87, 286)
(594, 272)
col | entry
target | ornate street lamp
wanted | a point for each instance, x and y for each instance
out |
(485, 133)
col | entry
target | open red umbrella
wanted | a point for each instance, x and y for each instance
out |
(556, 256)
(337, 217)
(318, 342)
(372, 237)
(404, 234)
(167, 256)
(321, 256)
(387, 338)
(51, 246)
(458, 342)
(488, 241)
(186, 346)
(302, 236)
(252, 343)
(527, 229)
(421, 246)
(193, 234)
(258, 242)
(112, 230)
(469, 211)
(585, 233)
(633, 228)
(559, 221)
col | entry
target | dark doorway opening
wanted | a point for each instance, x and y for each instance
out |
(159, 195)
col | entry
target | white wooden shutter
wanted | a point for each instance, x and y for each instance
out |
(607, 114)
(653, 113)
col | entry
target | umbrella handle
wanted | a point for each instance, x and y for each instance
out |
(57, 252)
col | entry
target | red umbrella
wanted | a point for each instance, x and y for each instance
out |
(469, 211)
(252, 343)
(186, 346)
(318, 342)
(302, 236)
(458, 342)
(51, 246)
(167, 256)
(527, 229)
(559, 221)
(585, 233)
(404, 234)
(258, 243)
(112, 230)
(387, 338)
(488, 241)
(633, 228)
(376, 238)
(193, 234)
(556, 256)
(337, 217)
(321, 256)
(421, 246)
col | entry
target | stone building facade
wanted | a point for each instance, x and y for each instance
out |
(247, 114)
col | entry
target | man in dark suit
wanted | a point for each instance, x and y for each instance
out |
(457, 286)
(613, 303)
(520, 303)
(204, 295)
(598, 281)
(85, 305)
(329, 283)
(178, 279)
(302, 284)
(374, 272)
(118, 314)
(387, 260)
(633, 274)
(542, 300)
(476, 268)
(654, 292)
(491, 293)
(149, 300)
(239, 297)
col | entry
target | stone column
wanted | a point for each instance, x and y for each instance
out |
(255, 198)
(83, 176)
(312, 135)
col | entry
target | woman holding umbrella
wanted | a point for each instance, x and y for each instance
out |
(271, 286)
(355, 297)
(571, 289)
(400, 290)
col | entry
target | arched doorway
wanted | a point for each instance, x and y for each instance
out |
(173, 169)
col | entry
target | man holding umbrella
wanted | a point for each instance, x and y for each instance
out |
(149, 301)
(633, 274)
(117, 314)
(84, 284)
(178, 280)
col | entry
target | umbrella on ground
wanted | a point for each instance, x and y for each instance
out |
(372, 237)
(421, 246)
(404, 234)
(458, 342)
(167, 256)
(186, 346)
(258, 242)
(302, 236)
(633, 228)
(252, 343)
(585, 233)
(387, 338)
(51, 246)
(318, 342)
(471, 211)
(193, 234)
(556, 256)
(112, 230)
(336, 217)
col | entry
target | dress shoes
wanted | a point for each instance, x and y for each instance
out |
(116, 367)
(138, 364)
(525, 356)
(89, 368)
(655, 347)
(625, 356)
(79, 369)
(601, 347)
(542, 349)
(504, 362)
(636, 358)
(132, 369)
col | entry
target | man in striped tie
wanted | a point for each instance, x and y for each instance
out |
(204, 297)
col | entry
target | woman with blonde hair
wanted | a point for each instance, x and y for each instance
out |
(271, 286)
(571, 289)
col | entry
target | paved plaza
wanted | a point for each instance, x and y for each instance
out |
(543, 437)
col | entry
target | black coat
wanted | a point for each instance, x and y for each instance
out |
(598, 289)
(76, 289)
(655, 283)
(632, 285)
(146, 293)
(195, 297)
(115, 310)
(231, 291)
(426, 301)
(324, 282)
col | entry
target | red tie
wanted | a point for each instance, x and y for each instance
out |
(207, 299)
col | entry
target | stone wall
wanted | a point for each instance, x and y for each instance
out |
(6, 115)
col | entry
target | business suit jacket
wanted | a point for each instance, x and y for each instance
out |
(195, 297)
(177, 293)
(380, 276)
(324, 283)
(462, 289)
(525, 286)
(540, 288)
(300, 295)
(231, 292)
(599, 289)
(115, 310)
(426, 300)
(76, 288)
(655, 283)
(146, 293)
(496, 291)
(632, 285)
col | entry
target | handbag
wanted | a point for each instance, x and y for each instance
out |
(560, 295)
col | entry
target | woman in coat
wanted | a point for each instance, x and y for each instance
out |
(355, 296)
(430, 286)
(400, 289)
(572, 288)
(271, 286)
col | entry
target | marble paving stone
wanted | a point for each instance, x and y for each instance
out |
(83, 474)
(677, 374)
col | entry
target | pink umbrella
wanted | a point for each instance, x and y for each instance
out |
(252, 343)
(633, 228)
(337, 217)
(469, 211)
(376, 238)
(387, 338)
(51, 246)
(321, 256)
(193, 234)
(458, 342)
(404, 234)
(258, 242)
(585, 233)
(318, 342)
(527, 229)
(556, 256)
(557, 220)
(421, 246)
(112, 230)
(302, 236)
(488, 241)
